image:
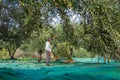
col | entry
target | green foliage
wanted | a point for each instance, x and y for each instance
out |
(82, 53)
(4, 54)
(10, 32)
(103, 37)
(99, 32)
(37, 40)
(62, 50)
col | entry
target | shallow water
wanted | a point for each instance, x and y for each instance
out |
(81, 69)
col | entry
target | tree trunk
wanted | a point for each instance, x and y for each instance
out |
(12, 52)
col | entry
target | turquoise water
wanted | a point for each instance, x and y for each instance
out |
(81, 69)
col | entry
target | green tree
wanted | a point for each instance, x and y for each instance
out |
(9, 30)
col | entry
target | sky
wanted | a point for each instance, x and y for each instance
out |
(75, 18)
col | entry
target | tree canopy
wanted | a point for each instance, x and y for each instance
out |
(28, 21)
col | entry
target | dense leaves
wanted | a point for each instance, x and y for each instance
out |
(99, 31)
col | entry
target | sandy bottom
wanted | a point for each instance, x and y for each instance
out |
(81, 69)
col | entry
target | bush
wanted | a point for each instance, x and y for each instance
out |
(62, 50)
(81, 53)
(4, 54)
